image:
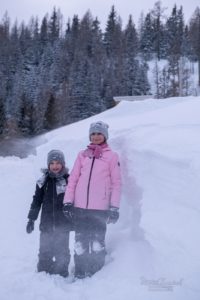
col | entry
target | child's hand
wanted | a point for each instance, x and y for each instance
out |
(113, 215)
(30, 226)
(68, 211)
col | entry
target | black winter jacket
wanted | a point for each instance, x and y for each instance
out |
(48, 197)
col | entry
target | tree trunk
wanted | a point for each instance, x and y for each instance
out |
(199, 69)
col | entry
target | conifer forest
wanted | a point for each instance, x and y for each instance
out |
(54, 73)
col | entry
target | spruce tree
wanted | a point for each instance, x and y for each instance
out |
(194, 33)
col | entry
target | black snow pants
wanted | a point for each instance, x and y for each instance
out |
(54, 253)
(90, 252)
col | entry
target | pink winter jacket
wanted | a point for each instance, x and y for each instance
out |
(95, 183)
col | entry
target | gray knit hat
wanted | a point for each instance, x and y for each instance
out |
(99, 127)
(56, 155)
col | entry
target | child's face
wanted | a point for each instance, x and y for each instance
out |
(55, 166)
(97, 138)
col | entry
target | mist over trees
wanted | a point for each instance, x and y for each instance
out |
(53, 74)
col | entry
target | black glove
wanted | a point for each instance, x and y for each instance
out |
(113, 215)
(30, 226)
(68, 211)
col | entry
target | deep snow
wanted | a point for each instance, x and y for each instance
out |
(153, 251)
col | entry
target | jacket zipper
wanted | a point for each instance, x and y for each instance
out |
(53, 205)
(88, 187)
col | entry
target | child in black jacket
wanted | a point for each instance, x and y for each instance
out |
(54, 254)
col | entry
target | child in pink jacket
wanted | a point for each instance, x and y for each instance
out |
(92, 198)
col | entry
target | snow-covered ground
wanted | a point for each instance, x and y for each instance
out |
(153, 251)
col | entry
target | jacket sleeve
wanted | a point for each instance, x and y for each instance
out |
(36, 203)
(115, 181)
(73, 180)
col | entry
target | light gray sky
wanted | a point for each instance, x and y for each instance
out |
(24, 9)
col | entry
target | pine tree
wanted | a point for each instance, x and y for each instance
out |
(175, 33)
(4, 70)
(130, 51)
(194, 32)
(86, 69)
(55, 25)
(158, 30)
(146, 38)
(113, 43)
(187, 49)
